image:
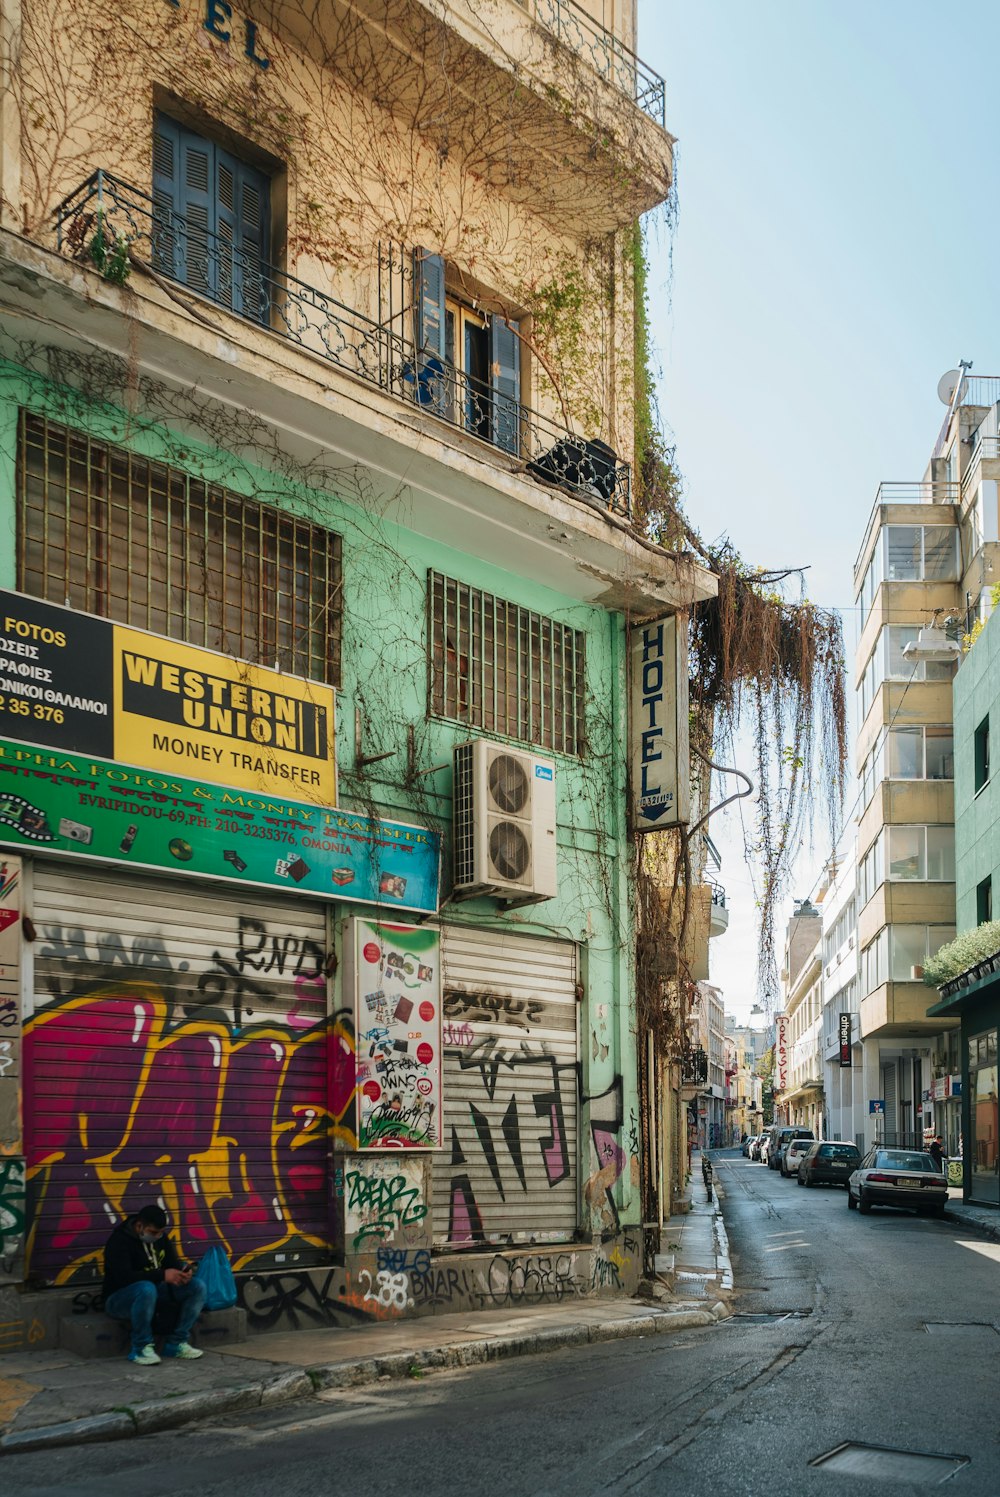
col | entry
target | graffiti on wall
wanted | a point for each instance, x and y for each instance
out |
(12, 1218)
(385, 1202)
(513, 1094)
(213, 1096)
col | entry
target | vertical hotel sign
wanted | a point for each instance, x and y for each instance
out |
(844, 1037)
(659, 777)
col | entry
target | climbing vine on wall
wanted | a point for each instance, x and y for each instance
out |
(763, 663)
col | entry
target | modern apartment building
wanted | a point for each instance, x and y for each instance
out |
(922, 577)
(318, 410)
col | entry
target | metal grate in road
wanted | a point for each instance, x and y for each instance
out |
(884, 1464)
(767, 1317)
(949, 1327)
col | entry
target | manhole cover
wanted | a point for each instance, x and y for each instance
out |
(883, 1464)
(765, 1317)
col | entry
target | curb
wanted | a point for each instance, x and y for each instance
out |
(287, 1387)
(990, 1230)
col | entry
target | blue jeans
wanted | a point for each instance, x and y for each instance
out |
(137, 1303)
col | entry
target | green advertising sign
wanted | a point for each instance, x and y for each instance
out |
(82, 806)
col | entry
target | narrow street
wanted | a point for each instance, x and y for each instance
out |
(881, 1330)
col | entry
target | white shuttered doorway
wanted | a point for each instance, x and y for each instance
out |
(508, 1170)
(178, 1052)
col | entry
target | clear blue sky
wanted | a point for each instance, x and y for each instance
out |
(835, 253)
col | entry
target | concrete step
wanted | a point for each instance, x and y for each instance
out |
(96, 1335)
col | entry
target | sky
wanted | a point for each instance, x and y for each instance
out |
(834, 254)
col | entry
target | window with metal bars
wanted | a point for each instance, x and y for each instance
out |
(145, 544)
(502, 668)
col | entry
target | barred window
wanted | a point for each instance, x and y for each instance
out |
(145, 544)
(502, 668)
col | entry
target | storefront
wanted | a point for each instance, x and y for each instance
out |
(177, 1050)
(508, 1172)
(977, 1004)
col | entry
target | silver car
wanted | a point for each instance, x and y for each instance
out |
(792, 1153)
(897, 1177)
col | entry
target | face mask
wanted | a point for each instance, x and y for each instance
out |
(149, 1236)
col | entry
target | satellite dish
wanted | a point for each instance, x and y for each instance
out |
(947, 385)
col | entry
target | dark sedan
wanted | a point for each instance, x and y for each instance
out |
(897, 1177)
(828, 1163)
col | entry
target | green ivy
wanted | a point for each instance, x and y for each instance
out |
(967, 950)
(110, 253)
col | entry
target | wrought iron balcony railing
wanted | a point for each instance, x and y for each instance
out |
(606, 53)
(694, 1068)
(111, 223)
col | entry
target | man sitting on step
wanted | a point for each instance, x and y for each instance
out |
(143, 1270)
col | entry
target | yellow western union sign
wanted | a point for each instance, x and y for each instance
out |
(177, 708)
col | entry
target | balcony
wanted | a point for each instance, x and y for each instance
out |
(607, 55)
(105, 218)
(719, 912)
(541, 94)
(694, 1068)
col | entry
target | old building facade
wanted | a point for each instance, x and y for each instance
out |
(317, 395)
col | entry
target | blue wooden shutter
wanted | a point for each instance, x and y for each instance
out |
(213, 219)
(196, 201)
(431, 376)
(253, 218)
(166, 179)
(242, 226)
(505, 384)
(428, 280)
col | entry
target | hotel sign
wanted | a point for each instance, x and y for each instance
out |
(845, 1040)
(659, 762)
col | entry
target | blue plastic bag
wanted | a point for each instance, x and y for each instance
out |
(217, 1276)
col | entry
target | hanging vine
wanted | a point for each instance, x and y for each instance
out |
(763, 663)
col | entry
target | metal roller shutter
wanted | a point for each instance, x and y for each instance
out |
(178, 1051)
(508, 1171)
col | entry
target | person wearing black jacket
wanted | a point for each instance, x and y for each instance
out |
(141, 1269)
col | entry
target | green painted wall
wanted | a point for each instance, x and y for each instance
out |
(384, 669)
(977, 817)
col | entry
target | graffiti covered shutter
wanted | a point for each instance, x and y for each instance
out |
(178, 1051)
(508, 1170)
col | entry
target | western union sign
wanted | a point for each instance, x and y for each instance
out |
(72, 681)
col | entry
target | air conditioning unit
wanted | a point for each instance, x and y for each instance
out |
(504, 822)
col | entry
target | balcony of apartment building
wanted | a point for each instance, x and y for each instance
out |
(718, 909)
(909, 567)
(560, 111)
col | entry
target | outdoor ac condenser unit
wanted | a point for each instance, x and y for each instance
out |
(504, 822)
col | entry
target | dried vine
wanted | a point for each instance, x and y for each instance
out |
(761, 662)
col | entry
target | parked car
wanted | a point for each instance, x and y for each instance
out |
(792, 1153)
(897, 1177)
(780, 1135)
(829, 1163)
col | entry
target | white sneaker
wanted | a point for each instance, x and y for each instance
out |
(146, 1357)
(184, 1350)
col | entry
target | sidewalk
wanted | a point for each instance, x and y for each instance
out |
(58, 1398)
(982, 1219)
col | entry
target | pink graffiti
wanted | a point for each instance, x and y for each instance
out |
(230, 1131)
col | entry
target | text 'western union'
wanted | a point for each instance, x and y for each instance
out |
(210, 704)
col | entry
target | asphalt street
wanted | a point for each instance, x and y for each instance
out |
(881, 1332)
